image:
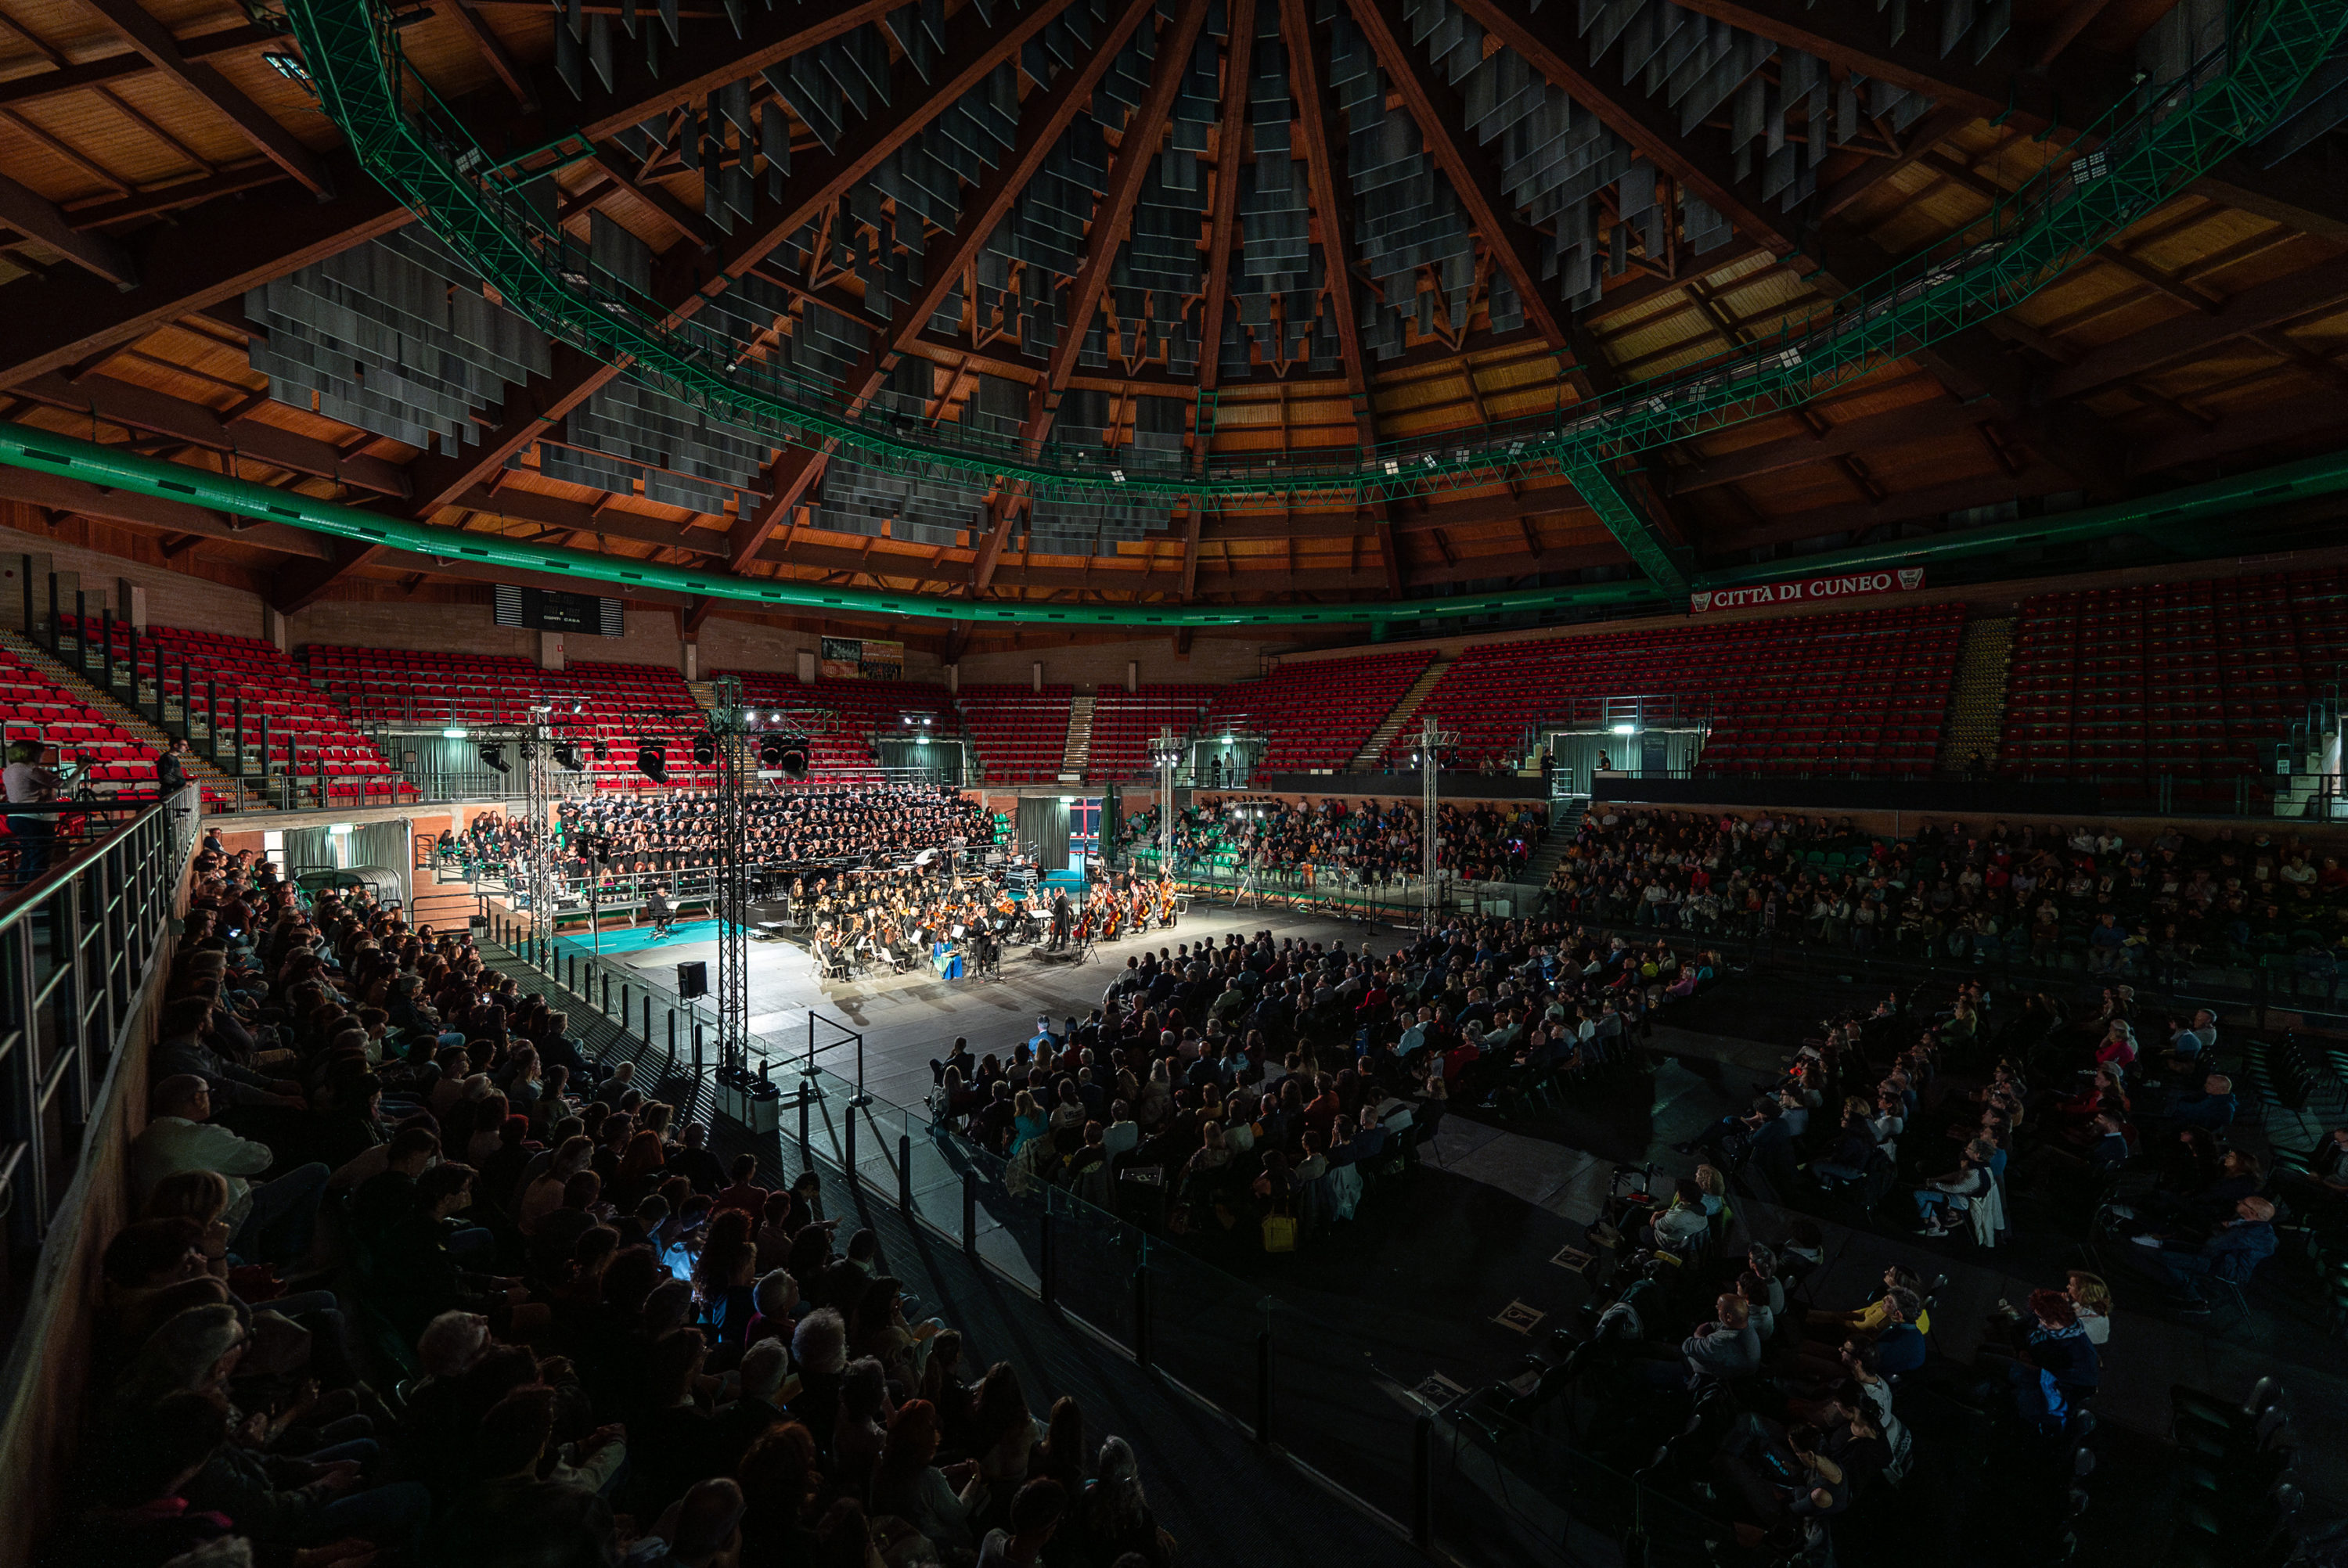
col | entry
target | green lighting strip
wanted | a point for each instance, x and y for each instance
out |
(2211, 507)
(425, 154)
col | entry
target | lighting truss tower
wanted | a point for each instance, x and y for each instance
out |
(729, 724)
(1166, 750)
(1432, 738)
(539, 793)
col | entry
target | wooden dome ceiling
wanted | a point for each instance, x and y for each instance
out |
(1273, 227)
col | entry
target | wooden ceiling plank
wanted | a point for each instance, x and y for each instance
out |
(273, 141)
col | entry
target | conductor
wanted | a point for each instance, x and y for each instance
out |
(1060, 920)
(656, 906)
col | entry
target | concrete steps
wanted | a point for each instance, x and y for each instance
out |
(1077, 752)
(1374, 750)
(1977, 707)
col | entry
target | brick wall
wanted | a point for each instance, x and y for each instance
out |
(1094, 665)
(472, 628)
(173, 598)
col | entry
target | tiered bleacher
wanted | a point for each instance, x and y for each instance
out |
(613, 704)
(840, 740)
(33, 707)
(1020, 734)
(1125, 722)
(2197, 680)
(1860, 693)
(1317, 715)
(272, 687)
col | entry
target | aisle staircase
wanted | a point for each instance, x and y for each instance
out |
(1977, 707)
(1078, 750)
(121, 703)
(1562, 827)
(1374, 750)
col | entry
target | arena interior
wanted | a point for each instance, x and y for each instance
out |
(857, 784)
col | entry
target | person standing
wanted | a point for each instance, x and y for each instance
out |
(31, 781)
(172, 767)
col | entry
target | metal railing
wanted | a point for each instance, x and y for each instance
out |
(76, 945)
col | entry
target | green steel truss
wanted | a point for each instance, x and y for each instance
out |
(1628, 520)
(2143, 153)
(2202, 515)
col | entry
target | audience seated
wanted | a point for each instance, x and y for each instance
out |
(1361, 841)
(2079, 898)
(346, 1324)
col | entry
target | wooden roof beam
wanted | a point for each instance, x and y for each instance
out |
(35, 216)
(273, 141)
(1238, 57)
(492, 49)
(1435, 106)
(1113, 216)
(1858, 35)
(2259, 308)
(81, 75)
(213, 253)
(1552, 43)
(684, 276)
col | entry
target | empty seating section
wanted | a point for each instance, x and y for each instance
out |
(1020, 734)
(273, 688)
(2193, 679)
(617, 704)
(396, 686)
(840, 716)
(1125, 722)
(1316, 714)
(32, 707)
(1859, 693)
(614, 704)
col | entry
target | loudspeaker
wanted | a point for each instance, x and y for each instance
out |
(692, 980)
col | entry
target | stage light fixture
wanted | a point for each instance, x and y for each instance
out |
(770, 751)
(793, 763)
(704, 748)
(652, 760)
(493, 755)
(568, 755)
(602, 752)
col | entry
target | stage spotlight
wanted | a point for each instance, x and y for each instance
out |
(652, 760)
(602, 752)
(770, 751)
(568, 756)
(493, 755)
(704, 748)
(794, 762)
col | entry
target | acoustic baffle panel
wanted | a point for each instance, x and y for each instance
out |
(392, 343)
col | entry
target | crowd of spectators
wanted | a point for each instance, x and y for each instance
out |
(1961, 1123)
(2081, 897)
(409, 1281)
(1346, 840)
(1257, 1078)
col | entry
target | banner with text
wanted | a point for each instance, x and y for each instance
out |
(1809, 590)
(863, 658)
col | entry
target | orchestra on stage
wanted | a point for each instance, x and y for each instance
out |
(957, 922)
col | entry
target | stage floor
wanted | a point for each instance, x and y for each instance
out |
(908, 1018)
